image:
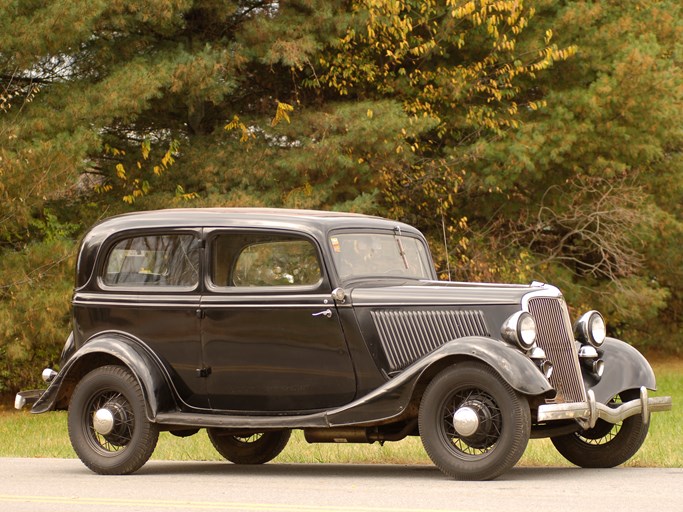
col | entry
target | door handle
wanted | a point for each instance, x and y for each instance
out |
(327, 313)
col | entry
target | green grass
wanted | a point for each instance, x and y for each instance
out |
(26, 435)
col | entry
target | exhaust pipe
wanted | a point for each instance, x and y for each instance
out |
(357, 434)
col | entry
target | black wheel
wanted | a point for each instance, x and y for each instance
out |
(108, 426)
(606, 445)
(473, 425)
(256, 448)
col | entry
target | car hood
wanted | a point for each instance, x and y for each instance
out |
(443, 293)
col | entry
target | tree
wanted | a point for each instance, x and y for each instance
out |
(134, 105)
(100, 98)
(590, 186)
(469, 117)
(456, 64)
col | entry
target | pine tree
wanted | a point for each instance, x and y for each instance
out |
(590, 187)
(507, 124)
(108, 106)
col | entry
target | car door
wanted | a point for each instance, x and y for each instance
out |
(271, 335)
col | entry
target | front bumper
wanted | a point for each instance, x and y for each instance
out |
(587, 413)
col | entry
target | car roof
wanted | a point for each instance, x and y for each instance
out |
(315, 223)
(306, 220)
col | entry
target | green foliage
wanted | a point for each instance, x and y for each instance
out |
(591, 185)
(34, 308)
(52, 230)
(454, 63)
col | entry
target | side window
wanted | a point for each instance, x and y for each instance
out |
(153, 261)
(265, 261)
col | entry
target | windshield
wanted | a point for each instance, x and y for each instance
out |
(358, 255)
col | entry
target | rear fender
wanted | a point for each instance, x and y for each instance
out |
(111, 348)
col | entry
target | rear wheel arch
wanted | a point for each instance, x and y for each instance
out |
(118, 350)
(79, 369)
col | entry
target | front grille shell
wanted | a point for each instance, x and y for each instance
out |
(554, 335)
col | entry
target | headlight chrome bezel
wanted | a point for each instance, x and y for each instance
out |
(520, 330)
(591, 329)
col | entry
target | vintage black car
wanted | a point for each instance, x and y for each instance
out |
(254, 322)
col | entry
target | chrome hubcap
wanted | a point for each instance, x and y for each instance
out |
(103, 421)
(465, 421)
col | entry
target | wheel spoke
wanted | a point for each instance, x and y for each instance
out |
(124, 423)
(603, 432)
(249, 448)
(253, 438)
(107, 424)
(605, 445)
(485, 439)
(603, 439)
(473, 425)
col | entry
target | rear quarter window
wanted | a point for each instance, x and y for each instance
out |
(153, 261)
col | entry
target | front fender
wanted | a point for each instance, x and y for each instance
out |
(111, 348)
(514, 367)
(625, 368)
(393, 397)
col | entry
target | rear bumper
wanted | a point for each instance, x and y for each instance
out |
(27, 398)
(587, 413)
(30, 397)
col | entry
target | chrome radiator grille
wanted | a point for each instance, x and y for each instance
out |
(554, 336)
(408, 335)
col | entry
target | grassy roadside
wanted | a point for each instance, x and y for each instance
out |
(25, 435)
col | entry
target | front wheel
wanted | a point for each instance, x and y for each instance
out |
(255, 448)
(605, 445)
(473, 425)
(108, 425)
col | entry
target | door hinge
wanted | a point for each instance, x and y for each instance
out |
(203, 372)
(200, 313)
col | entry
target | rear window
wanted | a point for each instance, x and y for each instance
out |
(153, 261)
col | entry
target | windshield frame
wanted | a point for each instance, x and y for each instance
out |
(411, 249)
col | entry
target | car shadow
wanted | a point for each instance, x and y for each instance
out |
(350, 471)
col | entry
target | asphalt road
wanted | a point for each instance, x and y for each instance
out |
(58, 485)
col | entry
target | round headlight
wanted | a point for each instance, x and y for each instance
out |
(590, 328)
(520, 330)
(527, 330)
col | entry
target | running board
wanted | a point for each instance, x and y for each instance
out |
(185, 419)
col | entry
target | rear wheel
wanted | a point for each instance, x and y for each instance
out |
(255, 448)
(605, 445)
(473, 425)
(108, 425)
